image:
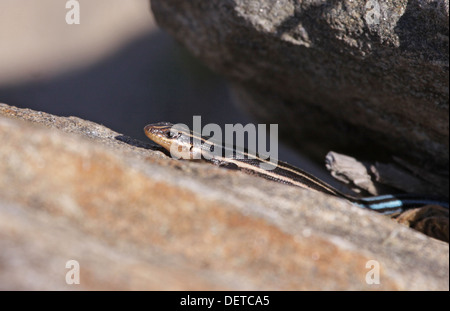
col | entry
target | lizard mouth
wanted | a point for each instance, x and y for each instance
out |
(159, 133)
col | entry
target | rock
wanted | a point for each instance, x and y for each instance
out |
(133, 218)
(432, 220)
(369, 77)
(380, 178)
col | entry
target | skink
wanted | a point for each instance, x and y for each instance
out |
(178, 141)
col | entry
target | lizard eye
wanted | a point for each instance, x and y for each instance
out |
(173, 134)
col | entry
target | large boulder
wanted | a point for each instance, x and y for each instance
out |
(134, 218)
(368, 77)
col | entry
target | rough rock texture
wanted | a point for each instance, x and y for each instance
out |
(135, 219)
(367, 76)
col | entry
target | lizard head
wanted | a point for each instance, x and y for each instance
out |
(176, 140)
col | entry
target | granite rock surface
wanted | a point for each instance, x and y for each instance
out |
(369, 78)
(134, 218)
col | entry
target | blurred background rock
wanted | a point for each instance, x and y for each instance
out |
(116, 68)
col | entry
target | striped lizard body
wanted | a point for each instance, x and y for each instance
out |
(188, 145)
